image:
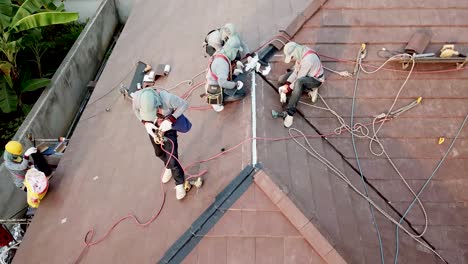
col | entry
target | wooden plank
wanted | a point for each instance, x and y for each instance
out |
(393, 71)
(438, 191)
(416, 169)
(389, 17)
(346, 207)
(430, 108)
(404, 148)
(270, 154)
(399, 4)
(402, 127)
(299, 171)
(378, 35)
(379, 89)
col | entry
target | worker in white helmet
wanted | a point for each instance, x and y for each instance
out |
(306, 76)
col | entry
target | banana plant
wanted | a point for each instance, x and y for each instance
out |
(11, 96)
(16, 18)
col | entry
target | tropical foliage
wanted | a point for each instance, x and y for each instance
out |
(21, 24)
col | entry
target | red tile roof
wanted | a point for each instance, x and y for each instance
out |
(411, 140)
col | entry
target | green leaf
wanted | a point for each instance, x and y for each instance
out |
(9, 80)
(6, 8)
(4, 21)
(26, 108)
(60, 8)
(44, 19)
(6, 67)
(8, 98)
(28, 8)
(34, 84)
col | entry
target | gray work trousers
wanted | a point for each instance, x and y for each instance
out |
(303, 84)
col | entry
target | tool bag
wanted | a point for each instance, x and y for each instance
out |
(214, 95)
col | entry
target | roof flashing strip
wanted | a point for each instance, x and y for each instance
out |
(200, 227)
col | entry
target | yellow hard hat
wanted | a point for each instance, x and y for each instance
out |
(14, 147)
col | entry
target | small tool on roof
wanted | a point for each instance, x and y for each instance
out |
(449, 51)
(361, 55)
(276, 114)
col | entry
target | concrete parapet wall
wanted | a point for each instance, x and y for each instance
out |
(54, 111)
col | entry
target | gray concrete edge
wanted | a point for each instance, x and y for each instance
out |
(54, 111)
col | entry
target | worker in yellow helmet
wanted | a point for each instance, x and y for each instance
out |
(19, 164)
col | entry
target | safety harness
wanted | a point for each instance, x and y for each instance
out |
(317, 75)
(215, 92)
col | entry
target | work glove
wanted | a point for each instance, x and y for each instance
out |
(284, 89)
(150, 128)
(239, 65)
(239, 85)
(282, 98)
(237, 72)
(252, 63)
(345, 74)
(30, 151)
(166, 125)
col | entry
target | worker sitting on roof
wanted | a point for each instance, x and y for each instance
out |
(220, 86)
(307, 75)
(19, 164)
(162, 115)
(215, 39)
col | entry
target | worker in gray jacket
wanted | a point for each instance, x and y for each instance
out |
(221, 86)
(162, 112)
(306, 76)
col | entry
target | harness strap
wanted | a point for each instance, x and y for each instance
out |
(219, 55)
(307, 53)
(19, 176)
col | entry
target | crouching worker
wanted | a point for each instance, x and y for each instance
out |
(162, 115)
(221, 87)
(18, 165)
(307, 76)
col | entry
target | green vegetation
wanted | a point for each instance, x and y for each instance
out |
(35, 37)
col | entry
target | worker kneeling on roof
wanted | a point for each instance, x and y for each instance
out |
(30, 172)
(215, 40)
(18, 164)
(306, 76)
(221, 87)
(162, 115)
